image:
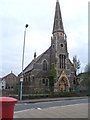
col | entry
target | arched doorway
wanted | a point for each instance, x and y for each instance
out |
(63, 82)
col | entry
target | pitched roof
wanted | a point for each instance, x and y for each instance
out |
(8, 75)
(30, 66)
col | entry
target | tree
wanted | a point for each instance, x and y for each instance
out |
(87, 82)
(54, 73)
(51, 84)
(87, 68)
(52, 78)
(76, 64)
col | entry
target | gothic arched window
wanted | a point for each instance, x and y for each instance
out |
(62, 61)
(45, 65)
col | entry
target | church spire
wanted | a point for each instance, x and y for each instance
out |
(58, 23)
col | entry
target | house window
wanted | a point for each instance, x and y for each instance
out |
(45, 65)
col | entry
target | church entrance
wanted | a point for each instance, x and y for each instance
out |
(63, 82)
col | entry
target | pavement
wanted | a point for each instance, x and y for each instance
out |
(51, 99)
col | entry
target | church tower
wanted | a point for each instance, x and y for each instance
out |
(59, 51)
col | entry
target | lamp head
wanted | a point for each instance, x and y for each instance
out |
(26, 25)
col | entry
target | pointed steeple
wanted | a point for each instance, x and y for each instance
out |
(58, 23)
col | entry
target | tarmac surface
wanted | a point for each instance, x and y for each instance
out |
(68, 111)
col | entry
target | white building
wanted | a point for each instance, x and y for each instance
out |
(3, 84)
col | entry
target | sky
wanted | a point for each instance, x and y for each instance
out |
(39, 15)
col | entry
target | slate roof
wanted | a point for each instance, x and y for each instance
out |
(30, 66)
(8, 75)
(71, 63)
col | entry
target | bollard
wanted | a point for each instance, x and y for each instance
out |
(7, 108)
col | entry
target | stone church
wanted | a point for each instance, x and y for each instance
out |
(36, 74)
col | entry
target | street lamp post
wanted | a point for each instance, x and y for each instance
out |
(21, 79)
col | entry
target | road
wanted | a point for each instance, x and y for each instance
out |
(77, 108)
(42, 105)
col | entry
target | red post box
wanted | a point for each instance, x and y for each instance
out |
(7, 108)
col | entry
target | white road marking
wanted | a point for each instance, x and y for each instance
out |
(39, 108)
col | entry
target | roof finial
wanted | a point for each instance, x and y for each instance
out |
(34, 54)
(57, 0)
